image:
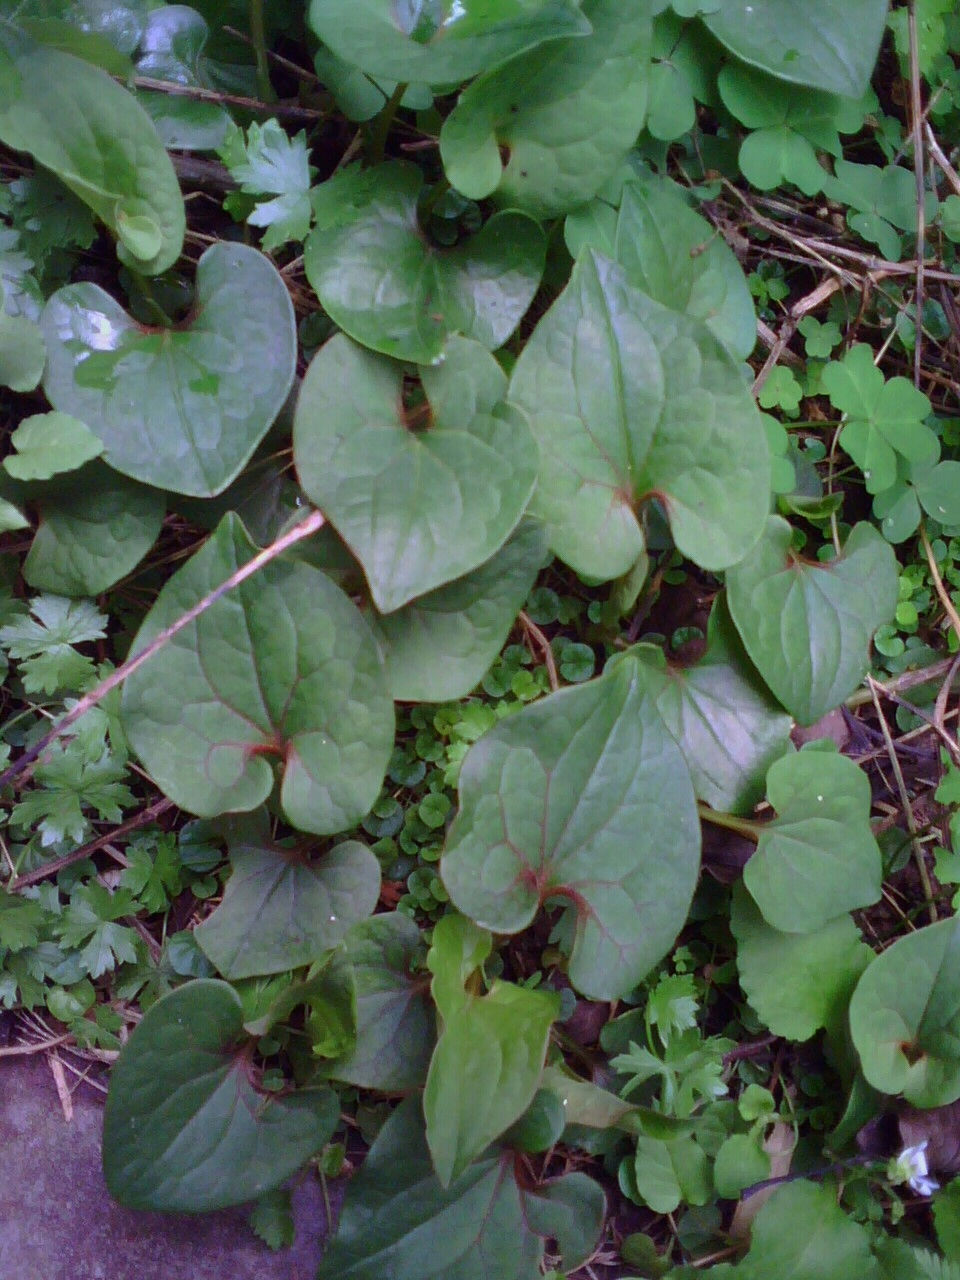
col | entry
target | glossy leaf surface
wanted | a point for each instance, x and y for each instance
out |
(827, 44)
(672, 253)
(807, 625)
(630, 401)
(98, 140)
(418, 507)
(905, 1017)
(585, 797)
(395, 1020)
(439, 646)
(185, 1129)
(564, 114)
(818, 858)
(796, 982)
(184, 408)
(438, 43)
(283, 907)
(397, 1220)
(489, 1058)
(723, 717)
(282, 670)
(388, 287)
(95, 527)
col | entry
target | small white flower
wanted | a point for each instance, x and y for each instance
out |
(910, 1166)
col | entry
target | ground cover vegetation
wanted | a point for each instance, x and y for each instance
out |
(480, 578)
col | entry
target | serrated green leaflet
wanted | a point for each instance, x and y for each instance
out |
(95, 137)
(386, 285)
(284, 906)
(807, 626)
(282, 670)
(397, 1220)
(439, 646)
(563, 114)
(489, 1057)
(418, 507)
(905, 1016)
(95, 527)
(631, 402)
(725, 721)
(673, 254)
(558, 801)
(827, 44)
(180, 408)
(818, 858)
(185, 1128)
(395, 1020)
(797, 982)
(440, 43)
(49, 443)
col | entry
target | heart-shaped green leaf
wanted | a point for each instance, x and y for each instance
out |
(807, 625)
(171, 49)
(489, 1058)
(818, 858)
(185, 1128)
(564, 115)
(95, 527)
(439, 43)
(673, 254)
(723, 717)
(796, 982)
(98, 140)
(282, 908)
(283, 669)
(827, 44)
(47, 444)
(182, 409)
(381, 280)
(905, 1016)
(418, 508)
(583, 797)
(398, 1221)
(630, 402)
(438, 647)
(395, 1023)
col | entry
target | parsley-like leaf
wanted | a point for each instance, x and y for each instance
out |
(43, 642)
(67, 784)
(89, 922)
(274, 164)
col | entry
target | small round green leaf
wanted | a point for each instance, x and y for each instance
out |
(385, 284)
(22, 352)
(185, 1128)
(284, 908)
(564, 115)
(630, 402)
(420, 496)
(818, 858)
(439, 43)
(181, 408)
(807, 625)
(282, 670)
(95, 527)
(49, 443)
(582, 797)
(905, 1017)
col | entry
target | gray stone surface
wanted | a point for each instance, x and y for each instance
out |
(57, 1221)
